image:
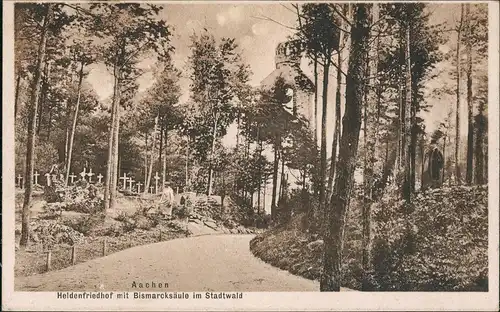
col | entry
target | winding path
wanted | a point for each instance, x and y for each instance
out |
(203, 263)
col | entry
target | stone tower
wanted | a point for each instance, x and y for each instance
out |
(301, 88)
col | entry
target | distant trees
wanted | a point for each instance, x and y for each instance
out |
(219, 78)
(130, 31)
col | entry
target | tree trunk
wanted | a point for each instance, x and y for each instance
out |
(479, 177)
(212, 153)
(32, 117)
(336, 133)
(330, 278)
(444, 157)
(470, 133)
(115, 172)
(146, 184)
(164, 164)
(316, 99)
(160, 155)
(41, 106)
(114, 112)
(370, 137)
(322, 169)
(275, 177)
(16, 99)
(187, 163)
(457, 125)
(407, 121)
(73, 126)
(151, 160)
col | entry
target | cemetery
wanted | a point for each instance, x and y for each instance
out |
(68, 225)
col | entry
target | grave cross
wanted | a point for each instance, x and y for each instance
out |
(47, 177)
(90, 174)
(124, 178)
(35, 175)
(99, 177)
(130, 182)
(19, 178)
(151, 188)
(139, 184)
(157, 177)
(83, 174)
(72, 177)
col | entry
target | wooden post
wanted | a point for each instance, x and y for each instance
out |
(49, 258)
(160, 235)
(104, 247)
(73, 255)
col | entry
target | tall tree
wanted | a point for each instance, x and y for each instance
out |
(34, 99)
(129, 31)
(457, 116)
(319, 30)
(370, 137)
(218, 76)
(337, 207)
(470, 116)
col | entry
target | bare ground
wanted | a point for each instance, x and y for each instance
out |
(203, 263)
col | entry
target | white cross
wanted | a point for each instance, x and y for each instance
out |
(139, 184)
(130, 182)
(72, 177)
(99, 177)
(90, 174)
(151, 188)
(157, 177)
(124, 178)
(47, 177)
(19, 180)
(35, 175)
(83, 174)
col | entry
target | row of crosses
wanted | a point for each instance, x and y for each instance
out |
(130, 181)
(49, 178)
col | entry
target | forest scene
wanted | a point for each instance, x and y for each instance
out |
(345, 143)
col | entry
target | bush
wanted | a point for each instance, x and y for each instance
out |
(441, 244)
(86, 224)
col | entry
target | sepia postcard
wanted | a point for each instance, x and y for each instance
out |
(250, 156)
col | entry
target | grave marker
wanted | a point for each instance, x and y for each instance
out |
(139, 184)
(47, 179)
(99, 177)
(130, 182)
(157, 177)
(90, 174)
(83, 174)
(151, 188)
(35, 176)
(72, 177)
(19, 178)
(124, 178)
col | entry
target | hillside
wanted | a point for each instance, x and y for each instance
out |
(444, 249)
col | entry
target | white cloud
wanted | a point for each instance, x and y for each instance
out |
(234, 14)
(260, 29)
(221, 19)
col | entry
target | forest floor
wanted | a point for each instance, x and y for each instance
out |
(204, 263)
(121, 229)
(449, 232)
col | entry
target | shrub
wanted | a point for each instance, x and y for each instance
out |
(85, 224)
(440, 244)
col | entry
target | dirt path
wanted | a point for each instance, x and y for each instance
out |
(204, 263)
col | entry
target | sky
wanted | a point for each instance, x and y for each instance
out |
(258, 37)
